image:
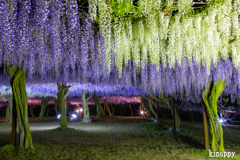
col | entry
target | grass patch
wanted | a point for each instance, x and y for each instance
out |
(59, 129)
(10, 152)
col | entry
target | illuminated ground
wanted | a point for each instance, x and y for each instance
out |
(117, 138)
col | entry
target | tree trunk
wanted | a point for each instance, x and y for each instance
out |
(103, 113)
(98, 113)
(144, 101)
(99, 107)
(168, 101)
(44, 102)
(112, 109)
(63, 120)
(43, 108)
(31, 111)
(109, 111)
(18, 82)
(47, 112)
(210, 100)
(159, 109)
(151, 108)
(62, 93)
(175, 115)
(85, 106)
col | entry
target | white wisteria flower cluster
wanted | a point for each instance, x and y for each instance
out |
(160, 38)
(104, 25)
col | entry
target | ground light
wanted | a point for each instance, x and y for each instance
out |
(79, 110)
(221, 120)
(78, 114)
(142, 113)
(73, 116)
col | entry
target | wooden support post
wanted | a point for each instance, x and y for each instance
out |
(14, 123)
(205, 126)
(158, 119)
(174, 118)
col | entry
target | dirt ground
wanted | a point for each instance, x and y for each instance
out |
(115, 138)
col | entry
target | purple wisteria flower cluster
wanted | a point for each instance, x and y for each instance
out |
(54, 44)
(184, 82)
(50, 41)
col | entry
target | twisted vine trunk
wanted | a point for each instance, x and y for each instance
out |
(159, 108)
(177, 118)
(62, 93)
(169, 102)
(99, 107)
(147, 109)
(18, 82)
(85, 106)
(108, 109)
(44, 102)
(31, 110)
(112, 109)
(47, 112)
(151, 108)
(210, 100)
